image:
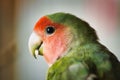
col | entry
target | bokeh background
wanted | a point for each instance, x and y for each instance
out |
(18, 17)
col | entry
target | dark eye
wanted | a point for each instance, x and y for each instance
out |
(50, 30)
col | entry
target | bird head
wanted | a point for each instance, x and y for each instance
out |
(53, 35)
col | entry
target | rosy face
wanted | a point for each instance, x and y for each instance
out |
(55, 39)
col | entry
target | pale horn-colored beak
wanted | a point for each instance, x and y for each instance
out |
(35, 45)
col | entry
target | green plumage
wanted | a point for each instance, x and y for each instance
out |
(87, 59)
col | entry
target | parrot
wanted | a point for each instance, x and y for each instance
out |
(72, 50)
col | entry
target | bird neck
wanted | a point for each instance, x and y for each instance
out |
(82, 50)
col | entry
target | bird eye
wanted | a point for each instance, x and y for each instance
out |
(50, 30)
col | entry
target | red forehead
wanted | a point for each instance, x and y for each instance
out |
(45, 22)
(42, 22)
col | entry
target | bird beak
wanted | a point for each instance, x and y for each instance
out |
(35, 45)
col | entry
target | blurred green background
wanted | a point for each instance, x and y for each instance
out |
(18, 17)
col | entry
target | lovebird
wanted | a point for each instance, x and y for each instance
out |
(72, 49)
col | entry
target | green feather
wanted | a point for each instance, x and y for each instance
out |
(80, 28)
(87, 59)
